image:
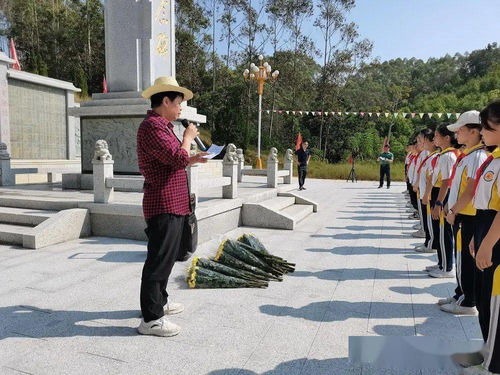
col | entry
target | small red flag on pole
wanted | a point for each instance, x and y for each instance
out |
(298, 141)
(104, 85)
(13, 55)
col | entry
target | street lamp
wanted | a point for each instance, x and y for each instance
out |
(261, 74)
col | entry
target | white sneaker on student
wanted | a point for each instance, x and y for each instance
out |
(445, 301)
(173, 308)
(160, 327)
(417, 226)
(454, 308)
(477, 370)
(419, 246)
(434, 268)
(439, 274)
(418, 234)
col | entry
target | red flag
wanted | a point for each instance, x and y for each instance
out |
(13, 55)
(104, 85)
(298, 141)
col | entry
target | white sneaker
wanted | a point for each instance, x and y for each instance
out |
(439, 274)
(160, 327)
(434, 268)
(419, 246)
(418, 234)
(425, 250)
(417, 226)
(445, 301)
(477, 370)
(173, 308)
(454, 308)
(413, 216)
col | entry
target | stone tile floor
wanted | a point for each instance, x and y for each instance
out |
(73, 308)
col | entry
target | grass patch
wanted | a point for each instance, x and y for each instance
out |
(367, 171)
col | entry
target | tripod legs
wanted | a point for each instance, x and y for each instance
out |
(352, 176)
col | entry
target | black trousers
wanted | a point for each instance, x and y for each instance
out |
(164, 233)
(302, 174)
(443, 234)
(487, 284)
(413, 198)
(428, 230)
(385, 170)
(463, 230)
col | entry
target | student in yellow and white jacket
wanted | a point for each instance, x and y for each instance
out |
(461, 213)
(486, 244)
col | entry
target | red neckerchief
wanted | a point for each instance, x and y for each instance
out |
(459, 159)
(427, 158)
(482, 168)
(416, 158)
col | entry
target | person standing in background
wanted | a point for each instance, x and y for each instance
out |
(385, 159)
(303, 156)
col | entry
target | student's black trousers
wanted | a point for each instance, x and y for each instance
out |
(302, 174)
(464, 228)
(487, 285)
(443, 238)
(385, 170)
(164, 233)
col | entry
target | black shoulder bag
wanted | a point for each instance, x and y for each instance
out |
(189, 240)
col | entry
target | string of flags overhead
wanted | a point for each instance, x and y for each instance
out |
(366, 114)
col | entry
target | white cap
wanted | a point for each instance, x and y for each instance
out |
(469, 117)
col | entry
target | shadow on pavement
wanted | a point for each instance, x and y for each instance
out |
(364, 250)
(34, 322)
(334, 311)
(361, 274)
(305, 366)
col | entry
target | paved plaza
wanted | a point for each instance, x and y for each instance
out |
(73, 308)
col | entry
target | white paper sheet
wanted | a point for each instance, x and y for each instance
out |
(213, 151)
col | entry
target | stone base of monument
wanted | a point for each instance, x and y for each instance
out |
(115, 117)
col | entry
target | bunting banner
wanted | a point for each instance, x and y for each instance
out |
(394, 115)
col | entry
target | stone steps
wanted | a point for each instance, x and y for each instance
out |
(35, 228)
(284, 211)
(24, 216)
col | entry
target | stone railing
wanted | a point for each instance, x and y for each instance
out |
(272, 172)
(105, 182)
(8, 172)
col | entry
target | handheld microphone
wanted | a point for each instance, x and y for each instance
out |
(198, 141)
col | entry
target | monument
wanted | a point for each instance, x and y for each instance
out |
(140, 46)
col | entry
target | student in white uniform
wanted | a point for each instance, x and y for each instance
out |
(424, 188)
(444, 139)
(410, 174)
(486, 244)
(461, 212)
(415, 181)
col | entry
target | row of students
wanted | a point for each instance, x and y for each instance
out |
(458, 200)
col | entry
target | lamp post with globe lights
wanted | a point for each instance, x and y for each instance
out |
(261, 74)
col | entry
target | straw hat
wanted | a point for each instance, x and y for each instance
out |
(163, 84)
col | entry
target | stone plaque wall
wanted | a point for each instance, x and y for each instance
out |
(120, 133)
(38, 128)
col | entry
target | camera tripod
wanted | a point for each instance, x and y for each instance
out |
(352, 174)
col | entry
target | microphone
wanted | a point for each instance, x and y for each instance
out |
(198, 141)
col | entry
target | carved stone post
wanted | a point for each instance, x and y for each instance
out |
(288, 165)
(7, 177)
(241, 163)
(272, 168)
(102, 165)
(193, 180)
(230, 169)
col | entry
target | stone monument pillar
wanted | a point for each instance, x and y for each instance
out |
(140, 47)
(4, 100)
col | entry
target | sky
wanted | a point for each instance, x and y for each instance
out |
(418, 28)
(427, 28)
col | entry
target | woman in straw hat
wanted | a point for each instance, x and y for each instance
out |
(162, 161)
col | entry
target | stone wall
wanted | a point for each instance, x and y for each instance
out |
(38, 122)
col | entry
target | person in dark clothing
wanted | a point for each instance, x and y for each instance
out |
(303, 156)
(385, 159)
(162, 160)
